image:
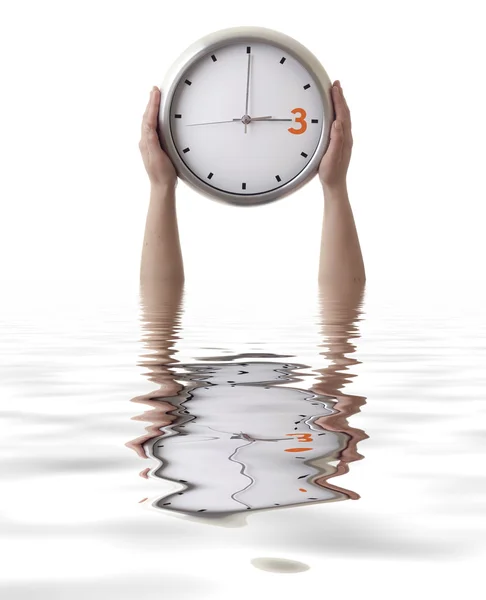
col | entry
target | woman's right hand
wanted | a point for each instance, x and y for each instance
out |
(158, 165)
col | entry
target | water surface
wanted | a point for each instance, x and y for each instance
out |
(388, 394)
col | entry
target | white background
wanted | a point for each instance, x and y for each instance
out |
(75, 81)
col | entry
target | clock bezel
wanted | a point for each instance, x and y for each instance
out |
(211, 43)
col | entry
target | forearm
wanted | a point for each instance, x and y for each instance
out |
(341, 262)
(161, 253)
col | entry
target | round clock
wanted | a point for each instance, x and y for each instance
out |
(245, 115)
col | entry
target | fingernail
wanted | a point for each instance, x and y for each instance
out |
(337, 124)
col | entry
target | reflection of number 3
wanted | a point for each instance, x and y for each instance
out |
(302, 437)
(300, 120)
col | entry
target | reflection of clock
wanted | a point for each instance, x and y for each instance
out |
(241, 443)
(245, 115)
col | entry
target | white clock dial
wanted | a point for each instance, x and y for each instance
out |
(246, 144)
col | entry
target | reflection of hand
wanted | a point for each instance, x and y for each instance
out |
(158, 417)
(158, 165)
(346, 406)
(334, 164)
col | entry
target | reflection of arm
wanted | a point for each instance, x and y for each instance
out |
(161, 306)
(338, 325)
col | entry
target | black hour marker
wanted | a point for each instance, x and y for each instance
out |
(188, 82)
(303, 154)
(315, 121)
(186, 150)
(277, 177)
(178, 116)
(248, 49)
(214, 58)
(282, 60)
(243, 186)
(307, 86)
(210, 175)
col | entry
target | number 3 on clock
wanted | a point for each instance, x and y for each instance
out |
(300, 119)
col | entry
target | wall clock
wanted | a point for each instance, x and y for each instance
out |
(245, 115)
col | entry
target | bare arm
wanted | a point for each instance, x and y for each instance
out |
(341, 266)
(340, 261)
(161, 252)
(161, 269)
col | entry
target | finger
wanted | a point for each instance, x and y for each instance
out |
(151, 122)
(150, 116)
(153, 108)
(340, 107)
(346, 107)
(342, 112)
(335, 150)
(144, 118)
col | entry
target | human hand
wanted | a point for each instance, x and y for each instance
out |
(334, 164)
(158, 165)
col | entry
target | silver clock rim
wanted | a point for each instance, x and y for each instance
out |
(212, 42)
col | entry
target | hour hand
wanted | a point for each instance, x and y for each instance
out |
(246, 119)
(268, 119)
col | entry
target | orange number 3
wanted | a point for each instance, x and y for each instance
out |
(300, 119)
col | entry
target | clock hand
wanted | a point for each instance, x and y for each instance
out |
(234, 120)
(247, 119)
(211, 122)
(269, 119)
(247, 88)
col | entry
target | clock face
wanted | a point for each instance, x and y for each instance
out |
(246, 143)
